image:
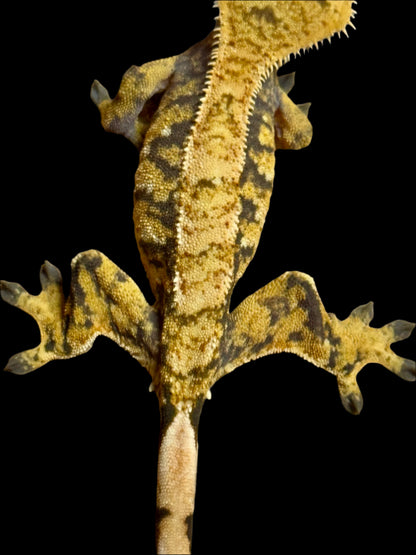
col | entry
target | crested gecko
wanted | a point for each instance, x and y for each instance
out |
(206, 124)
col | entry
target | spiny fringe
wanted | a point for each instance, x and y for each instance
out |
(274, 67)
(316, 45)
(211, 63)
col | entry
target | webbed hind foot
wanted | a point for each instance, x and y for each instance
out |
(103, 300)
(47, 309)
(288, 315)
(371, 345)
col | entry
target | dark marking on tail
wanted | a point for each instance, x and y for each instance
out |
(189, 521)
(161, 513)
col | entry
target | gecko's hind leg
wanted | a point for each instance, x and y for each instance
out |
(103, 300)
(288, 315)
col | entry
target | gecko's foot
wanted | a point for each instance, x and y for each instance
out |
(47, 309)
(365, 345)
(98, 93)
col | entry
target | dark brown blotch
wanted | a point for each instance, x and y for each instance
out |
(310, 304)
(296, 336)
(278, 307)
(121, 276)
(264, 14)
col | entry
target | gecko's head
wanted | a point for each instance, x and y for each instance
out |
(268, 33)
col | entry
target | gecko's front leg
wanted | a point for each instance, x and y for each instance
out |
(103, 300)
(288, 315)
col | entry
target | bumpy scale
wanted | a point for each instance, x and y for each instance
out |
(206, 124)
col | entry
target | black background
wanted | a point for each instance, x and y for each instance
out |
(281, 463)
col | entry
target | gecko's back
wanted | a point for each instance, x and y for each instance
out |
(159, 175)
(181, 210)
(204, 182)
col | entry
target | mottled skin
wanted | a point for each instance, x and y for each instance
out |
(206, 124)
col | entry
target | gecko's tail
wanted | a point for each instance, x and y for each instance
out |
(176, 479)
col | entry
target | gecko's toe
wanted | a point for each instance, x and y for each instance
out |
(364, 312)
(49, 274)
(400, 329)
(32, 359)
(18, 364)
(11, 292)
(352, 402)
(408, 370)
(351, 397)
(98, 93)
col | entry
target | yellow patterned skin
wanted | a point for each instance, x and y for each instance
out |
(206, 124)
